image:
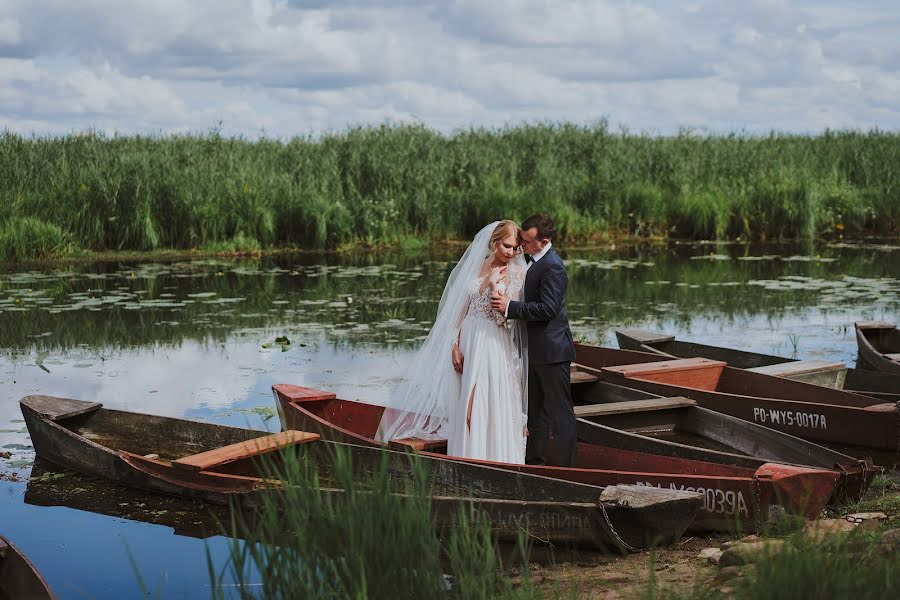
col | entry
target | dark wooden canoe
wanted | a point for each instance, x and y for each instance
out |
(884, 386)
(878, 344)
(734, 496)
(220, 464)
(615, 416)
(809, 411)
(19, 579)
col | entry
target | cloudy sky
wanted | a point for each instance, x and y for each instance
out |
(284, 67)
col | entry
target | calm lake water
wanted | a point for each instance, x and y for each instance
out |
(196, 339)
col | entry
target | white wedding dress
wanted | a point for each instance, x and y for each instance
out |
(431, 401)
(492, 382)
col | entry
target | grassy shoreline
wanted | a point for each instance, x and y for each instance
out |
(408, 185)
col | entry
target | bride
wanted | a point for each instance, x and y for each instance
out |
(467, 384)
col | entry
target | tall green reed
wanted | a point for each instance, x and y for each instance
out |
(380, 185)
(335, 531)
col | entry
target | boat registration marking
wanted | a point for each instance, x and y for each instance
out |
(726, 502)
(792, 418)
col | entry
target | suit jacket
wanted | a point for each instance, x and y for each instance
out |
(544, 308)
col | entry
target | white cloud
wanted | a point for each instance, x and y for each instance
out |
(286, 67)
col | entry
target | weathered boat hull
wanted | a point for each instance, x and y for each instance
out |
(861, 381)
(734, 497)
(808, 411)
(120, 446)
(879, 346)
(736, 441)
(19, 579)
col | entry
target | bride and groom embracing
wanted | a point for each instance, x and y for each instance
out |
(492, 377)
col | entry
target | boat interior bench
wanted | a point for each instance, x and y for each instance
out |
(246, 449)
(579, 373)
(422, 445)
(632, 406)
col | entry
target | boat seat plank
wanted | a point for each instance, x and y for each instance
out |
(885, 407)
(799, 367)
(579, 375)
(633, 406)
(297, 393)
(664, 366)
(54, 409)
(420, 444)
(647, 337)
(874, 325)
(245, 449)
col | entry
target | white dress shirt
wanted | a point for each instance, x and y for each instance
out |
(534, 259)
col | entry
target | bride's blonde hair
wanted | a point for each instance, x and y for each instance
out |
(503, 229)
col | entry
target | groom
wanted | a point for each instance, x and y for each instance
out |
(550, 348)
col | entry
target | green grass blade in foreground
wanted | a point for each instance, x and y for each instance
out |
(367, 541)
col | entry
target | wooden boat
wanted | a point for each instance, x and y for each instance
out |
(879, 346)
(19, 579)
(830, 374)
(809, 411)
(735, 497)
(222, 464)
(626, 418)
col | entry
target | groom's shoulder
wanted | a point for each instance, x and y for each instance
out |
(556, 258)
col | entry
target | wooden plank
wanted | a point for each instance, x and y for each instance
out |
(800, 367)
(53, 408)
(646, 337)
(296, 393)
(420, 444)
(696, 373)
(664, 366)
(895, 356)
(246, 449)
(874, 325)
(632, 406)
(579, 376)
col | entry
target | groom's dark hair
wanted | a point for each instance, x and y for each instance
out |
(545, 226)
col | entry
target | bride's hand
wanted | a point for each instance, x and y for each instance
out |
(457, 358)
(497, 275)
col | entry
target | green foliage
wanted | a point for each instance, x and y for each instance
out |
(28, 238)
(367, 542)
(385, 184)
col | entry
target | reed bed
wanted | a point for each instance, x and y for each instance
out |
(392, 184)
(369, 542)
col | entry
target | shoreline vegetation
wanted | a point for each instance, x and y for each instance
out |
(411, 187)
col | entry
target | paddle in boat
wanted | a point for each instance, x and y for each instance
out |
(735, 497)
(223, 464)
(837, 375)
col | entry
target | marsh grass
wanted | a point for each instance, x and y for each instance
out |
(383, 185)
(367, 542)
(851, 565)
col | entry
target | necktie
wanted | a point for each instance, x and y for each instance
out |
(529, 259)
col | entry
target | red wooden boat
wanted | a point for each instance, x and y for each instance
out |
(619, 417)
(19, 579)
(801, 409)
(884, 386)
(879, 346)
(734, 497)
(221, 464)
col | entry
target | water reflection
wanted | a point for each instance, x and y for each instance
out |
(197, 338)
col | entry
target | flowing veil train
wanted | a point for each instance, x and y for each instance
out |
(419, 406)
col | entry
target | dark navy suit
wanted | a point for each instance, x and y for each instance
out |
(550, 352)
